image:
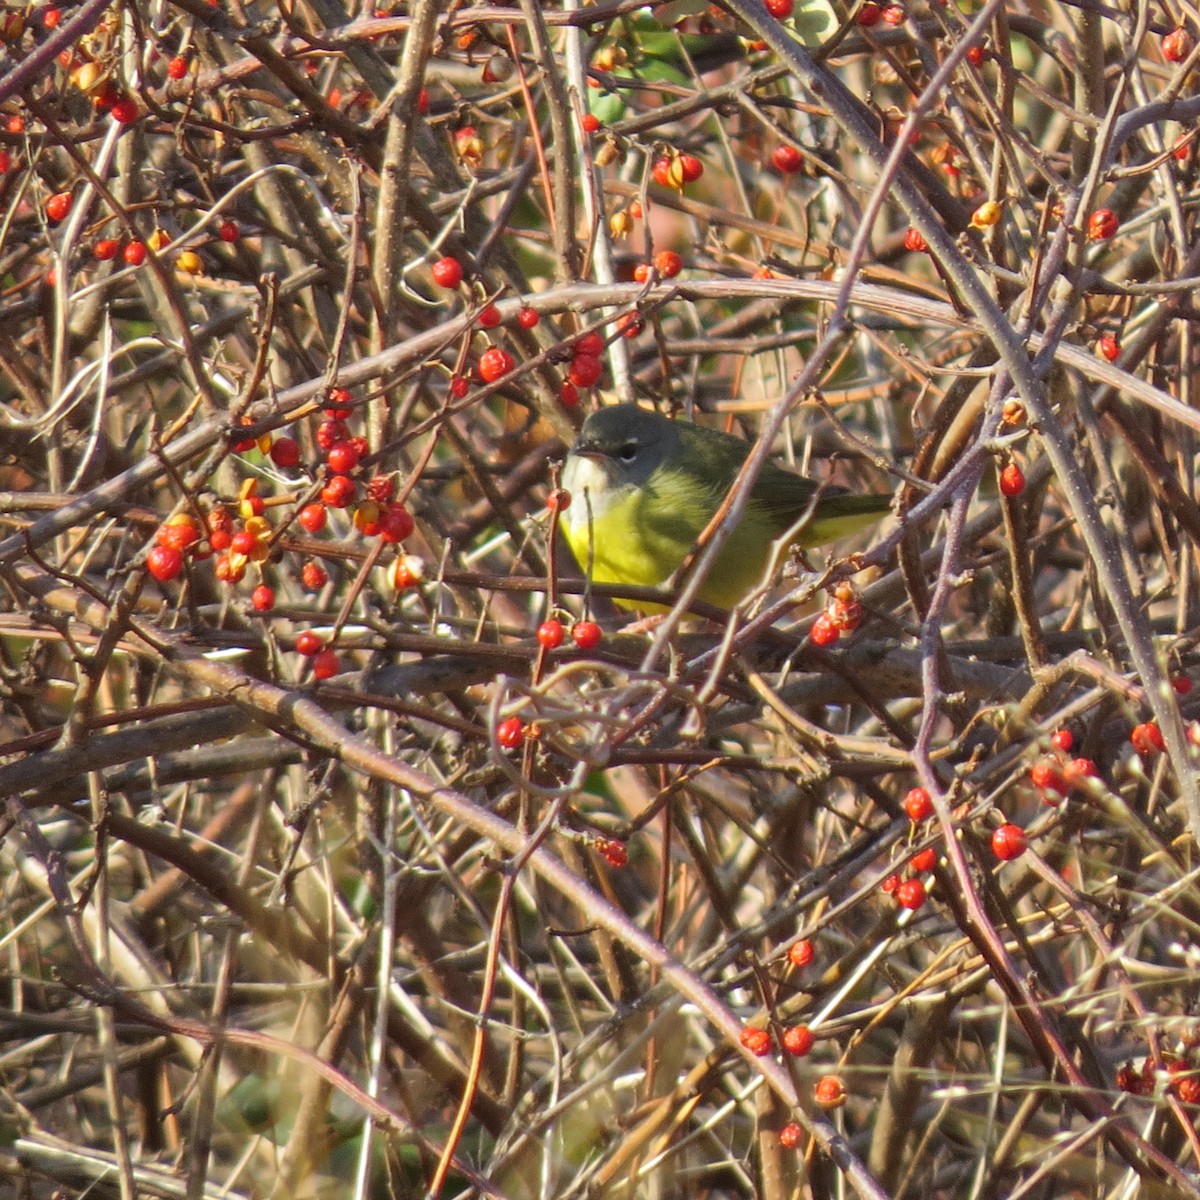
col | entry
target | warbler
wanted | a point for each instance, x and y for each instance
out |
(643, 488)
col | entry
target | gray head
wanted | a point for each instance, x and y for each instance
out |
(622, 445)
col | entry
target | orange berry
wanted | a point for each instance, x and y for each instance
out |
(798, 1040)
(801, 953)
(830, 1092)
(757, 1041)
(1008, 842)
(918, 805)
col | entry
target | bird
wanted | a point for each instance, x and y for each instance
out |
(643, 488)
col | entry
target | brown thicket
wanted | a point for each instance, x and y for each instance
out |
(268, 935)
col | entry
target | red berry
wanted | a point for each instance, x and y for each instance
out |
(366, 518)
(1181, 685)
(219, 539)
(830, 1092)
(59, 206)
(801, 953)
(1045, 775)
(584, 370)
(312, 517)
(177, 67)
(780, 9)
(847, 615)
(134, 254)
(918, 805)
(527, 318)
(1012, 480)
(558, 499)
(787, 158)
(1109, 347)
(395, 523)
(228, 570)
(326, 665)
(1177, 44)
(338, 404)
(586, 634)
(263, 598)
(51, 17)
(459, 387)
(550, 633)
(630, 324)
(309, 643)
(423, 101)
(511, 733)
(1128, 1080)
(895, 14)
(924, 860)
(798, 1040)
(105, 249)
(910, 894)
(869, 14)
(1063, 739)
(976, 55)
(447, 272)
(915, 240)
(691, 167)
(824, 632)
(285, 452)
(243, 543)
(668, 264)
(1102, 225)
(1008, 842)
(125, 110)
(489, 317)
(5, 162)
(494, 364)
(407, 572)
(1078, 771)
(615, 853)
(338, 492)
(1147, 739)
(568, 394)
(661, 172)
(313, 576)
(790, 1135)
(590, 123)
(381, 488)
(179, 531)
(164, 563)
(342, 458)
(228, 231)
(890, 884)
(591, 343)
(757, 1041)
(641, 272)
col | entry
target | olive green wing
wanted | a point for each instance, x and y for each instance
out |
(781, 497)
(828, 512)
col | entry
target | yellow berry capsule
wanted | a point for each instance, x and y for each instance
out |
(189, 262)
(1013, 412)
(986, 215)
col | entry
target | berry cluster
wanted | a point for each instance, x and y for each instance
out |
(843, 614)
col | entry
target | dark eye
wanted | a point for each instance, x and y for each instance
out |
(628, 452)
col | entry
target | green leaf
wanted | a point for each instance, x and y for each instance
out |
(813, 22)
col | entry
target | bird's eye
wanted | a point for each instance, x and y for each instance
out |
(628, 452)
